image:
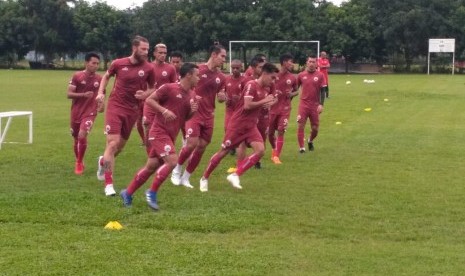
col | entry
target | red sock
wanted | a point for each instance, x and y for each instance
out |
(82, 146)
(272, 139)
(279, 145)
(247, 164)
(194, 161)
(108, 177)
(214, 162)
(75, 148)
(162, 173)
(183, 155)
(300, 137)
(313, 135)
(138, 180)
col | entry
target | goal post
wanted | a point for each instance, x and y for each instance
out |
(317, 42)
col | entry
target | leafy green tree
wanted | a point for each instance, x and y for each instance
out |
(102, 28)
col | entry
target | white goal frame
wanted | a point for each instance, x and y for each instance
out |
(270, 41)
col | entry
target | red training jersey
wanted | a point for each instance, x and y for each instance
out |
(84, 82)
(177, 100)
(233, 91)
(129, 79)
(311, 83)
(285, 83)
(323, 65)
(210, 83)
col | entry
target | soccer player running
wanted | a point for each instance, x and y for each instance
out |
(323, 67)
(243, 127)
(82, 90)
(173, 103)
(286, 89)
(164, 73)
(233, 90)
(199, 129)
(134, 82)
(311, 102)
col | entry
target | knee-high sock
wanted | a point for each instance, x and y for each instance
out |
(279, 144)
(313, 135)
(139, 179)
(247, 163)
(272, 139)
(214, 162)
(184, 155)
(300, 136)
(75, 147)
(81, 147)
(194, 161)
(160, 176)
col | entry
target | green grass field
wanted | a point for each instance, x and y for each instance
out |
(383, 194)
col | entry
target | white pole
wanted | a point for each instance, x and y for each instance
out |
(428, 60)
(453, 63)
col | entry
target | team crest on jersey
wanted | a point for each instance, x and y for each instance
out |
(189, 131)
(141, 73)
(96, 84)
(167, 148)
(315, 79)
(217, 80)
(164, 73)
(288, 81)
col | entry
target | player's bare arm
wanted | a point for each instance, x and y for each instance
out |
(152, 101)
(71, 94)
(250, 104)
(101, 90)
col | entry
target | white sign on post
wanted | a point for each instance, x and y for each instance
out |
(442, 45)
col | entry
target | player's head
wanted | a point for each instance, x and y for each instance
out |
(236, 67)
(311, 64)
(269, 73)
(323, 54)
(159, 52)
(287, 61)
(257, 64)
(140, 48)
(176, 59)
(261, 56)
(190, 72)
(92, 61)
(217, 55)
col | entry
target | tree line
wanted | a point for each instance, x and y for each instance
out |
(359, 30)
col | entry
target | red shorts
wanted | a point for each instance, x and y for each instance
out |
(200, 127)
(120, 121)
(235, 136)
(84, 124)
(309, 112)
(279, 122)
(160, 145)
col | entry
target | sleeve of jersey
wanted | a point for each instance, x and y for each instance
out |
(249, 91)
(161, 94)
(113, 68)
(73, 81)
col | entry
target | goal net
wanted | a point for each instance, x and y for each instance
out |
(246, 49)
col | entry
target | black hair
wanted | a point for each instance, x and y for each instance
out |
(270, 68)
(176, 54)
(90, 55)
(187, 68)
(217, 48)
(285, 57)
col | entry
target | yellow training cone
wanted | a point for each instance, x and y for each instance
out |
(386, 100)
(338, 123)
(114, 225)
(368, 109)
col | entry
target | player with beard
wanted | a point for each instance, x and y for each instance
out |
(311, 102)
(135, 80)
(242, 128)
(174, 103)
(199, 129)
(286, 89)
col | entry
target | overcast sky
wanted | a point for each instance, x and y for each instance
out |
(124, 4)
